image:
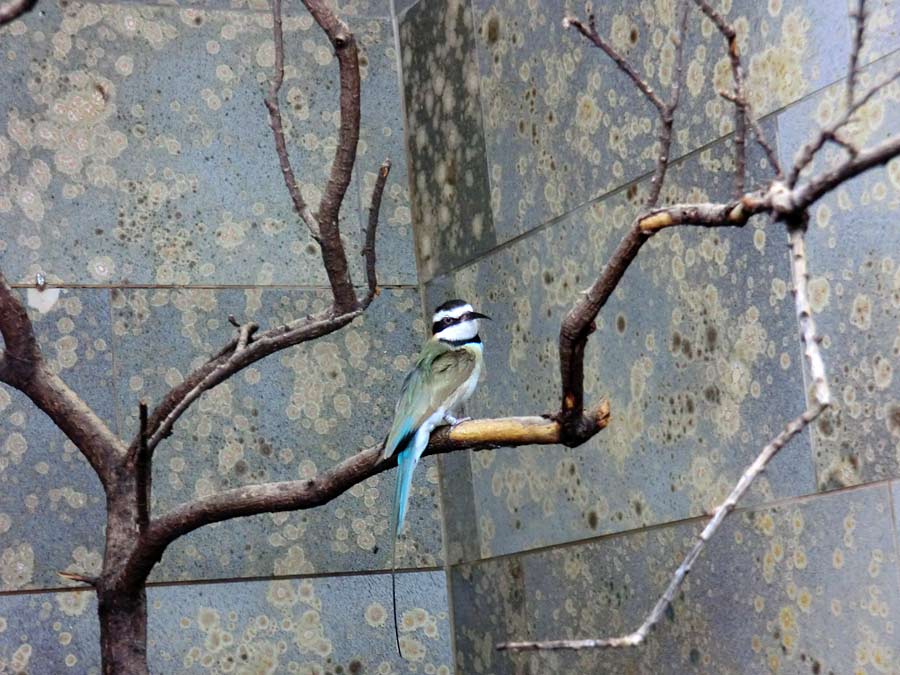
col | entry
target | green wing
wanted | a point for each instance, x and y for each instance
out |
(439, 372)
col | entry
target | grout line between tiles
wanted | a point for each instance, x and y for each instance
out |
(754, 508)
(232, 580)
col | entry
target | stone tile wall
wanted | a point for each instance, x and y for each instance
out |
(138, 173)
(697, 350)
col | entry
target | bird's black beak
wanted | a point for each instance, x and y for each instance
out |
(477, 315)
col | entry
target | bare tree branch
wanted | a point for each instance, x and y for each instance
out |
(721, 511)
(275, 122)
(345, 49)
(12, 10)
(304, 494)
(231, 360)
(579, 322)
(590, 32)
(859, 17)
(830, 133)
(743, 111)
(738, 98)
(22, 367)
(827, 181)
(368, 250)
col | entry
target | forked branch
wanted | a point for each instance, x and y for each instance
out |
(305, 494)
(787, 203)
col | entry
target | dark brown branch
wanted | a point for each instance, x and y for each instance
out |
(305, 494)
(22, 367)
(667, 116)
(275, 122)
(579, 322)
(590, 32)
(21, 354)
(345, 49)
(368, 250)
(241, 352)
(143, 468)
(12, 10)
(859, 17)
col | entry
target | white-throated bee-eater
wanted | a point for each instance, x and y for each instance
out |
(444, 377)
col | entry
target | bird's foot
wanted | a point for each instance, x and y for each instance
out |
(453, 421)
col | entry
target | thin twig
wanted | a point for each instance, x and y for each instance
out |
(722, 510)
(859, 17)
(591, 34)
(246, 333)
(738, 98)
(275, 122)
(81, 578)
(368, 250)
(232, 360)
(808, 151)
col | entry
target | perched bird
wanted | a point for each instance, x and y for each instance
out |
(444, 377)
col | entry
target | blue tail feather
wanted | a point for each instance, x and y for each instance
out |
(406, 465)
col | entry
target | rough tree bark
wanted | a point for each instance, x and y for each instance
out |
(785, 200)
(136, 539)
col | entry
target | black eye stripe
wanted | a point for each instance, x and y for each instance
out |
(446, 322)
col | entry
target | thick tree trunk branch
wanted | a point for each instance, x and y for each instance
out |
(305, 494)
(22, 367)
(345, 49)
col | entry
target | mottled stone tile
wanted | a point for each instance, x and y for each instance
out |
(52, 510)
(488, 607)
(882, 34)
(327, 624)
(696, 350)
(289, 416)
(855, 289)
(563, 125)
(804, 587)
(401, 6)
(150, 159)
(450, 192)
(49, 633)
(324, 625)
(381, 138)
